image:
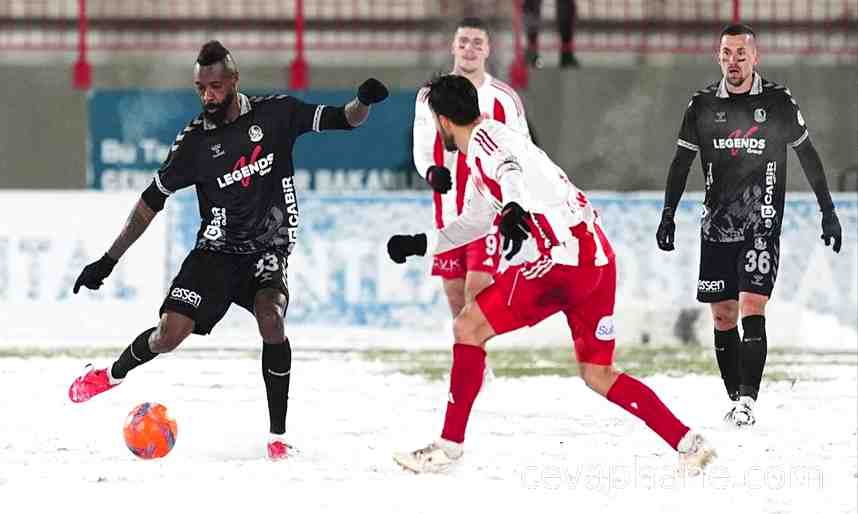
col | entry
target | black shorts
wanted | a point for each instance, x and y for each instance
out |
(728, 268)
(209, 282)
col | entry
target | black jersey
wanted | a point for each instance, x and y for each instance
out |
(243, 174)
(743, 141)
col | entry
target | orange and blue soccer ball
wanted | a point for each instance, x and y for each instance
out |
(150, 432)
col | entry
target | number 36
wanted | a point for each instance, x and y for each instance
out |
(758, 261)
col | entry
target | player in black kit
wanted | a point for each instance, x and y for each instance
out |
(238, 155)
(742, 127)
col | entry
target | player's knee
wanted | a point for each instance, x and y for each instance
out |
(598, 378)
(172, 330)
(167, 339)
(725, 323)
(270, 321)
(462, 329)
(465, 328)
(753, 305)
(725, 316)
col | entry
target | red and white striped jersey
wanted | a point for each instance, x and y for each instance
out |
(498, 101)
(508, 167)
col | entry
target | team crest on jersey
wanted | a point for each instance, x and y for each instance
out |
(720, 117)
(255, 133)
(760, 243)
(759, 115)
(217, 151)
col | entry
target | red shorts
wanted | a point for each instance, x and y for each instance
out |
(480, 255)
(584, 295)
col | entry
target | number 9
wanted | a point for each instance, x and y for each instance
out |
(491, 244)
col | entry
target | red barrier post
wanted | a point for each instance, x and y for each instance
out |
(298, 78)
(737, 4)
(82, 72)
(518, 72)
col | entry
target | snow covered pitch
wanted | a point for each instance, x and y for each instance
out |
(538, 441)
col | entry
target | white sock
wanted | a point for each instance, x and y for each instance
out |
(686, 442)
(451, 448)
(110, 379)
(277, 437)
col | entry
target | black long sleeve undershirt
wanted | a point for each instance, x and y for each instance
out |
(813, 170)
(677, 177)
(334, 118)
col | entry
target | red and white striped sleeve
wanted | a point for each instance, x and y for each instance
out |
(496, 149)
(512, 106)
(474, 222)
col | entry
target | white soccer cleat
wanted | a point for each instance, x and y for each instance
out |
(695, 454)
(741, 415)
(728, 418)
(434, 458)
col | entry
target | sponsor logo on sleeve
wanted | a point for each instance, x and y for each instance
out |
(605, 329)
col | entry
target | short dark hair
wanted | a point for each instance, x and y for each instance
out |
(737, 29)
(473, 23)
(213, 52)
(454, 97)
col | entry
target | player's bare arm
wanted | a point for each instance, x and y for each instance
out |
(137, 223)
(93, 275)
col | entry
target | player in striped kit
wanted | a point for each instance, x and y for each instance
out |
(467, 270)
(557, 259)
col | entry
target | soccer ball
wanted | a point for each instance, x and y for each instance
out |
(150, 432)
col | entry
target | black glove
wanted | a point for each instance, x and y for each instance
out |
(401, 246)
(93, 275)
(831, 230)
(371, 92)
(666, 229)
(439, 178)
(513, 228)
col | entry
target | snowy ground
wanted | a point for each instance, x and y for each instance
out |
(542, 442)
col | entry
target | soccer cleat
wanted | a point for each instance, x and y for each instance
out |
(92, 382)
(728, 418)
(695, 454)
(741, 415)
(434, 458)
(568, 60)
(278, 448)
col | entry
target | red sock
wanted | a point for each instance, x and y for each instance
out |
(466, 378)
(635, 397)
